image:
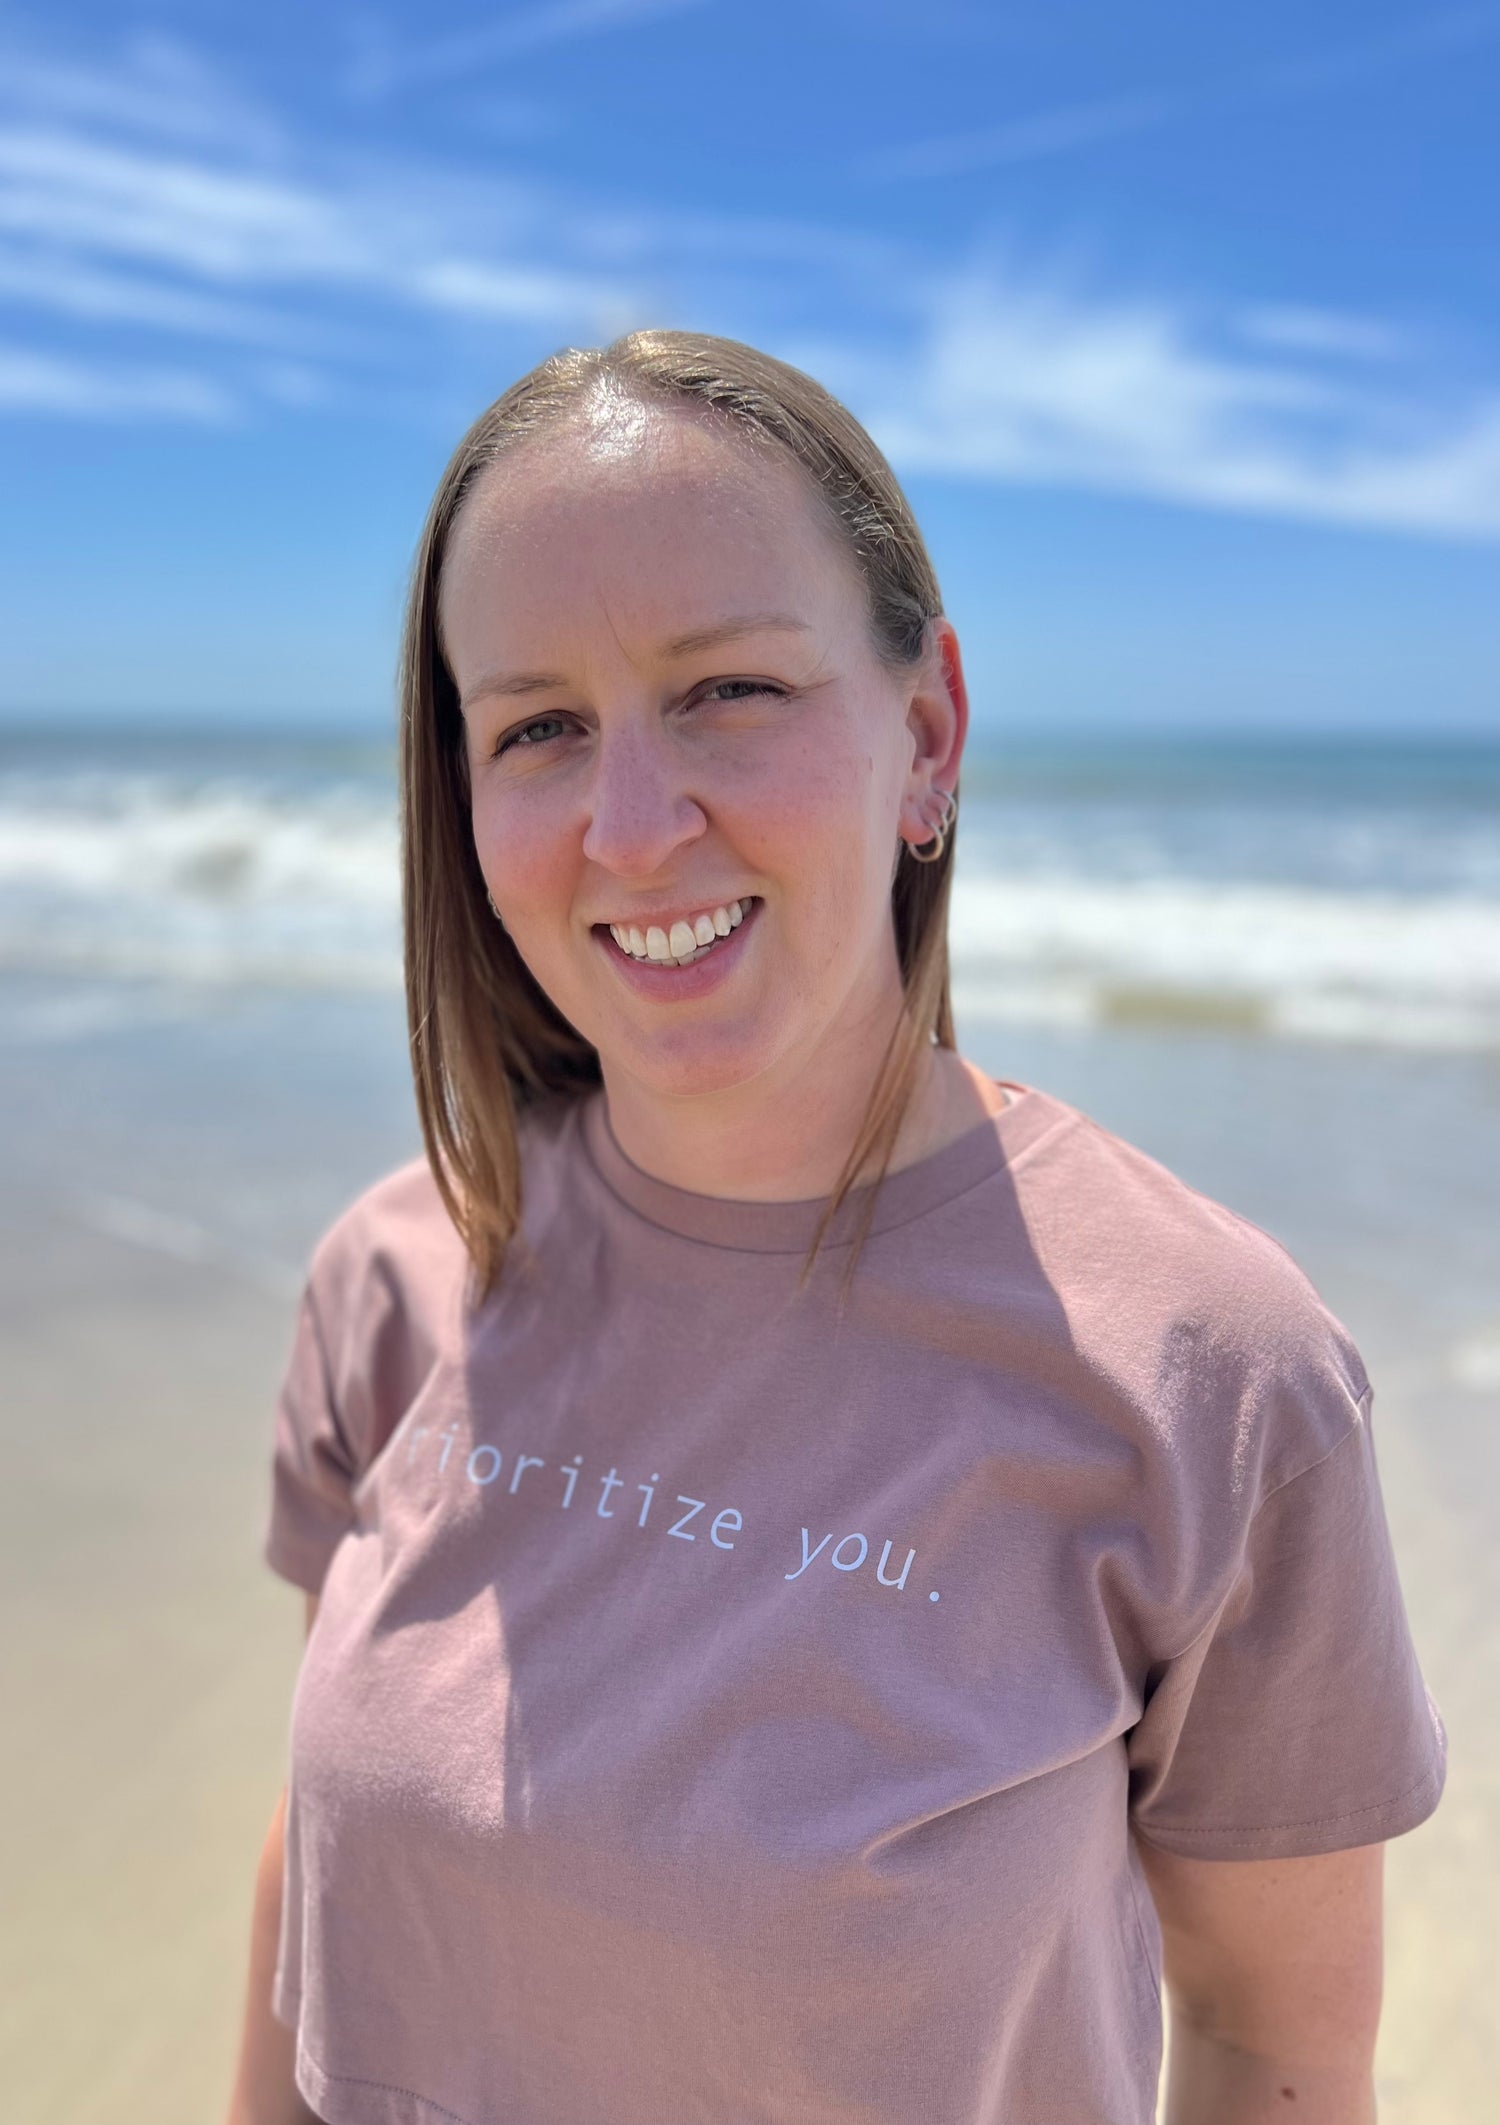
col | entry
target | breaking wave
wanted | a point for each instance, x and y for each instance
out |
(1262, 914)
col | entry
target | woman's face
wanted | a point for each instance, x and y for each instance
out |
(672, 703)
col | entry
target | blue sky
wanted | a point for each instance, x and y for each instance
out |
(1179, 323)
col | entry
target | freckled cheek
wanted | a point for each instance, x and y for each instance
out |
(528, 859)
(825, 846)
(792, 796)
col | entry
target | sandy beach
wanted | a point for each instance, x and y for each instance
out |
(168, 1160)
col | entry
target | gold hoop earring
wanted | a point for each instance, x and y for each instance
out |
(931, 850)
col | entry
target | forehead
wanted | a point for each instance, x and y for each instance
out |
(665, 519)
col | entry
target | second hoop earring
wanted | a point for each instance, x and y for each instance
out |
(930, 851)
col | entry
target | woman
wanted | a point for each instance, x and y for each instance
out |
(791, 1644)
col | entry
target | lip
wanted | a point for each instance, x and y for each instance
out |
(655, 978)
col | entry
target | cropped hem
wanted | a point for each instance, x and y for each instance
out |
(351, 2099)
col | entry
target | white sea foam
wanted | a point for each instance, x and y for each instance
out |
(1370, 926)
(1475, 1362)
(1299, 962)
(201, 881)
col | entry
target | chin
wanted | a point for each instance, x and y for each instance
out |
(682, 1066)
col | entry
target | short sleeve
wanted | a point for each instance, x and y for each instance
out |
(313, 1465)
(1297, 1721)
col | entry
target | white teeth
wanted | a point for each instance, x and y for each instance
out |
(686, 939)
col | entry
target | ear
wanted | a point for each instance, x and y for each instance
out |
(937, 718)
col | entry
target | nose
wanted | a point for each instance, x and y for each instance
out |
(640, 814)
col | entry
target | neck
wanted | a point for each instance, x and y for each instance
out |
(787, 1140)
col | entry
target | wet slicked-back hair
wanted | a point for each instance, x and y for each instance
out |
(486, 1041)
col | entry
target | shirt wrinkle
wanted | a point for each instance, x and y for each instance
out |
(659, 1609)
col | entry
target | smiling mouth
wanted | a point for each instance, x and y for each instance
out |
(651, 947)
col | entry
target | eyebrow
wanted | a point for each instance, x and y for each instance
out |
(686, 645)
(727, 630)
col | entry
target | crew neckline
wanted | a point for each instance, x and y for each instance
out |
(788, 1226)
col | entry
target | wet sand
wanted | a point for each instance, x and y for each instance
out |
(164, 1168)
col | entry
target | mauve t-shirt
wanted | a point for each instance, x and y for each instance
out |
(724, 1711)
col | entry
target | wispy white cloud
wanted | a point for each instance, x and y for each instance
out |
(1429, 36)
(470, 287)
(1299, 329)
(89, 204)
(1006, 372)
(41, 279)
(129, 202)
(383, 63)
(151, 189)
(1018, 382)
(1073, 127)
(1030, 139)
(293, 383)
(157, 86)
(37, 383)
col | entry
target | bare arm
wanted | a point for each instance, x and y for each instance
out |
(1274, 1973)
(265, 2092)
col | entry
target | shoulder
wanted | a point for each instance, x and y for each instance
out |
(389, 1283)
(398, 1225)
(395, 1247)
(1203, 1316)
(385, 1284)
(1143, 1225)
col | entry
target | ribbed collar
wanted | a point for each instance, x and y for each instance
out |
(787, 1227)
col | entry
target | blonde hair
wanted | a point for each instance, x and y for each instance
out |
(486, 1041)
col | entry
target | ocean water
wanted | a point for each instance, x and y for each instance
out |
(1344, 891)
(1274, 967)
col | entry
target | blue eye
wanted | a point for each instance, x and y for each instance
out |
(521, 737)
